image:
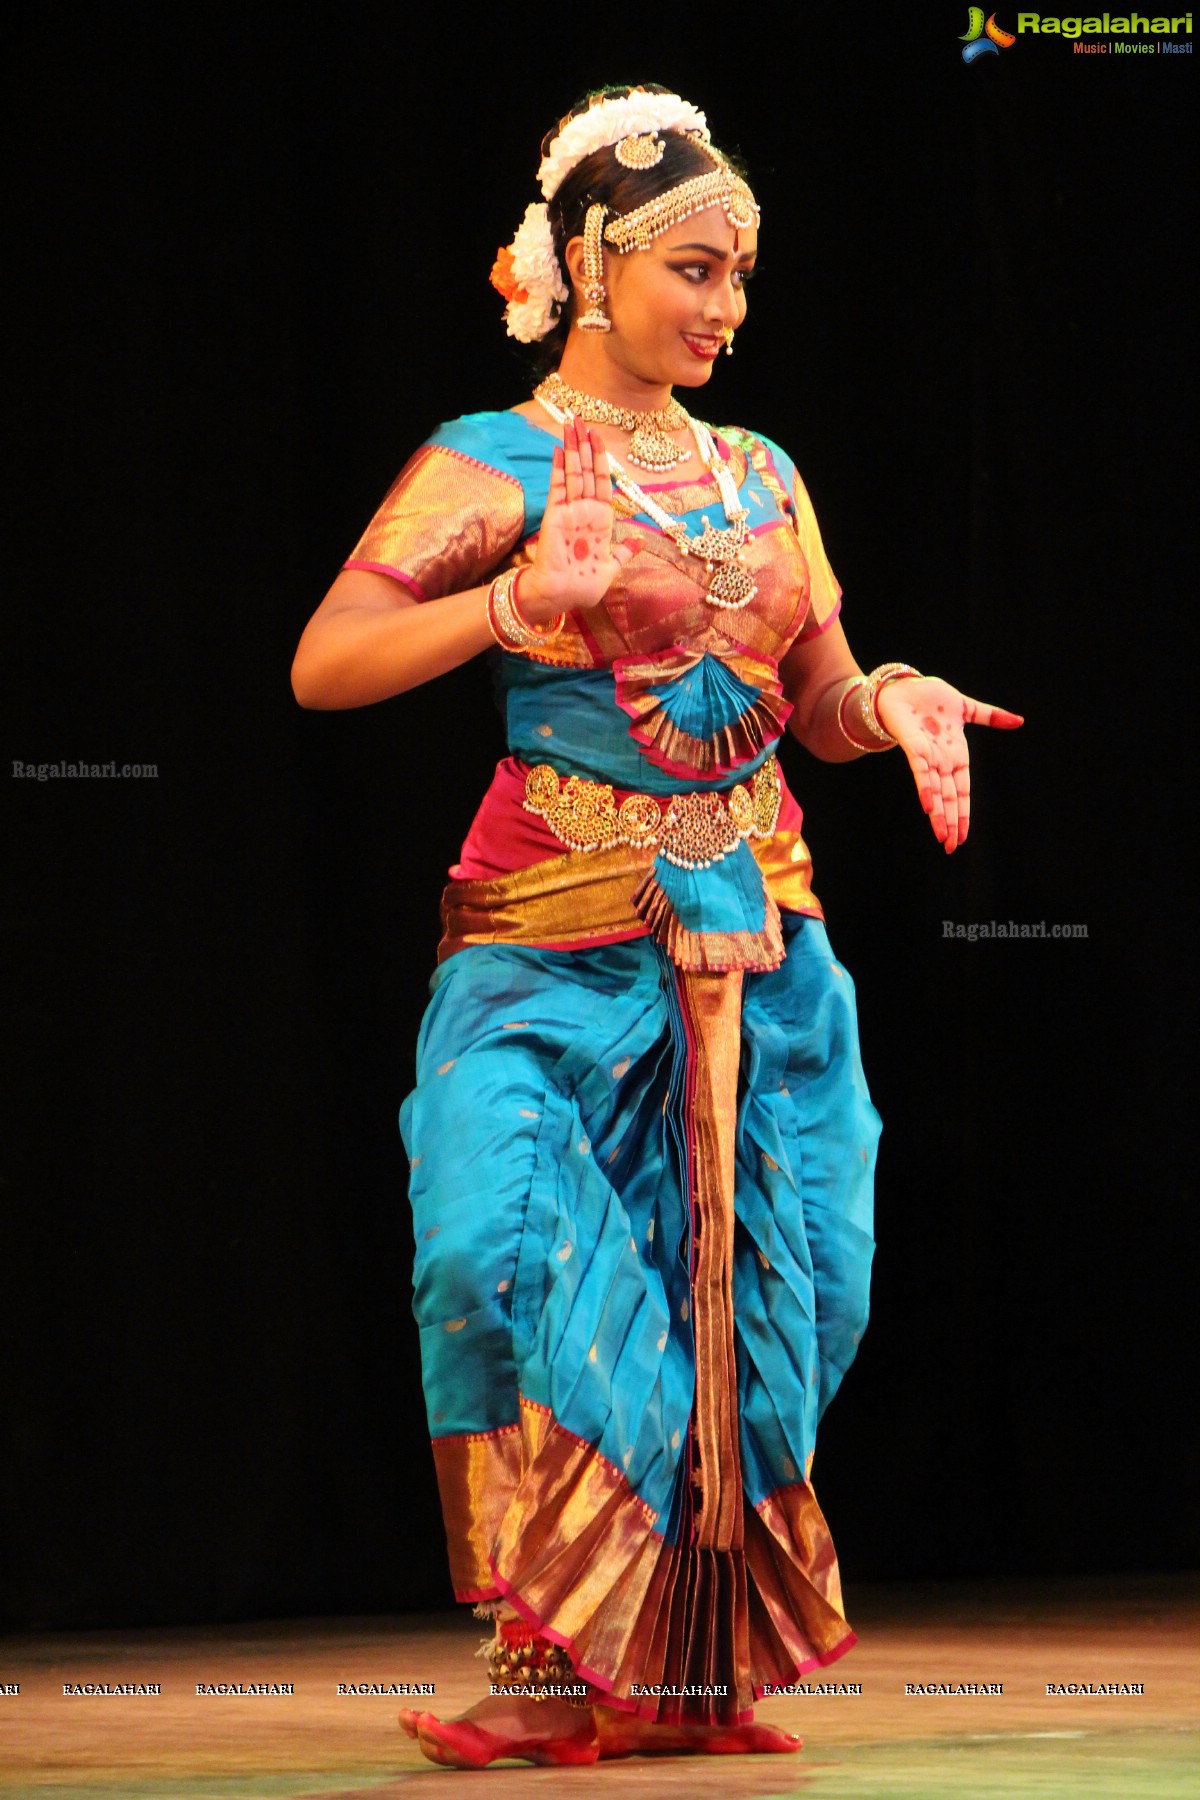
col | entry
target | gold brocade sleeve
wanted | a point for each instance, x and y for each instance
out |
(824, 591)
(445, 524)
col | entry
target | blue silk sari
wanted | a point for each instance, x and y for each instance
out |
(641, 1141)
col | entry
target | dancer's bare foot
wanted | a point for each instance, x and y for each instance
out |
(505, 1725)
(624, 1734)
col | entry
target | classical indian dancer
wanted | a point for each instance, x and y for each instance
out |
(642, 1145)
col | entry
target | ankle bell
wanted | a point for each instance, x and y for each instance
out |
(522, 1662)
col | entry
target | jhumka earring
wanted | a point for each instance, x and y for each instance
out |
(727, 332)
(595, 318)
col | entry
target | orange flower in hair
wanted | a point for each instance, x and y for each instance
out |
(503, 279)
(527, 273)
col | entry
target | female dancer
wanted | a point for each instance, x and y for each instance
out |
(642, 1147)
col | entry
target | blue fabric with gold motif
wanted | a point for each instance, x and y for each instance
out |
(641, 1175)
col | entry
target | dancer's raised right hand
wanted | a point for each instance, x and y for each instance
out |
(575, 561)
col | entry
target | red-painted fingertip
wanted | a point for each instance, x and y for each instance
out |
(1008, 721)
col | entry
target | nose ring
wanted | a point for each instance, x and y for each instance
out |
(727, 333)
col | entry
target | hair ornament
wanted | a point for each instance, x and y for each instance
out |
(722, 187)
(527, 273)
(608, 122)
(641, 150)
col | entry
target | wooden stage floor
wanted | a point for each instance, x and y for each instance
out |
(881, 1744)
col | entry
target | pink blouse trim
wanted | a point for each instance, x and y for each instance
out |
(414, 587)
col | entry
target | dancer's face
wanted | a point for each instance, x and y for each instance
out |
(668, 304)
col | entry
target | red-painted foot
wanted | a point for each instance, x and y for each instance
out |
(461, 1744)
(622, 1734)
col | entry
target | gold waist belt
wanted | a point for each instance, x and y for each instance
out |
(692, 830)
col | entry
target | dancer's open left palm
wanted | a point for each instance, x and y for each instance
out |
(927, 717)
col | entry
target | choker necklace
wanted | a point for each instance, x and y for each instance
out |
(729, 586)
(649, 446)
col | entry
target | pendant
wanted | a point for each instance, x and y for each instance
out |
(717, 545)
(729, 584)
(652, 449)
(731, 587)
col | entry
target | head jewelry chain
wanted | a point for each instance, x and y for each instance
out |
(527, 271)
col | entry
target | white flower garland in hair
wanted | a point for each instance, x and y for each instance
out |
(537, 289)
(606, 123)
(527, 271)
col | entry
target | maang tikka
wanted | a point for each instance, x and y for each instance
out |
(595, 318)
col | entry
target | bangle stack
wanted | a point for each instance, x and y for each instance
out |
(852, 687)
(509, 629)
(871, 686)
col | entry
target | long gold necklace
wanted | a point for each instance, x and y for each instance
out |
(649, 445)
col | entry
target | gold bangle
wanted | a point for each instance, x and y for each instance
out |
(497, 622)
(852, 686)
(550, 628)
(877, 680)
(506, 624)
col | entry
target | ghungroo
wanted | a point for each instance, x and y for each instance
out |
(523, 1663)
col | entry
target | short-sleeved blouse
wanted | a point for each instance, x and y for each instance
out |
(657, 691)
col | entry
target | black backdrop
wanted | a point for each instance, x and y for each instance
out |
(251, 251)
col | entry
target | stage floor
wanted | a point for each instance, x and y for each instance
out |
(883, 1743)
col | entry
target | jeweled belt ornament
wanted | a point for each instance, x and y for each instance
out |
(693, 830)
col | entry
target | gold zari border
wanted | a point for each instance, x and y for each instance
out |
(530, 1510)
(587, 896)
(477, 1472)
